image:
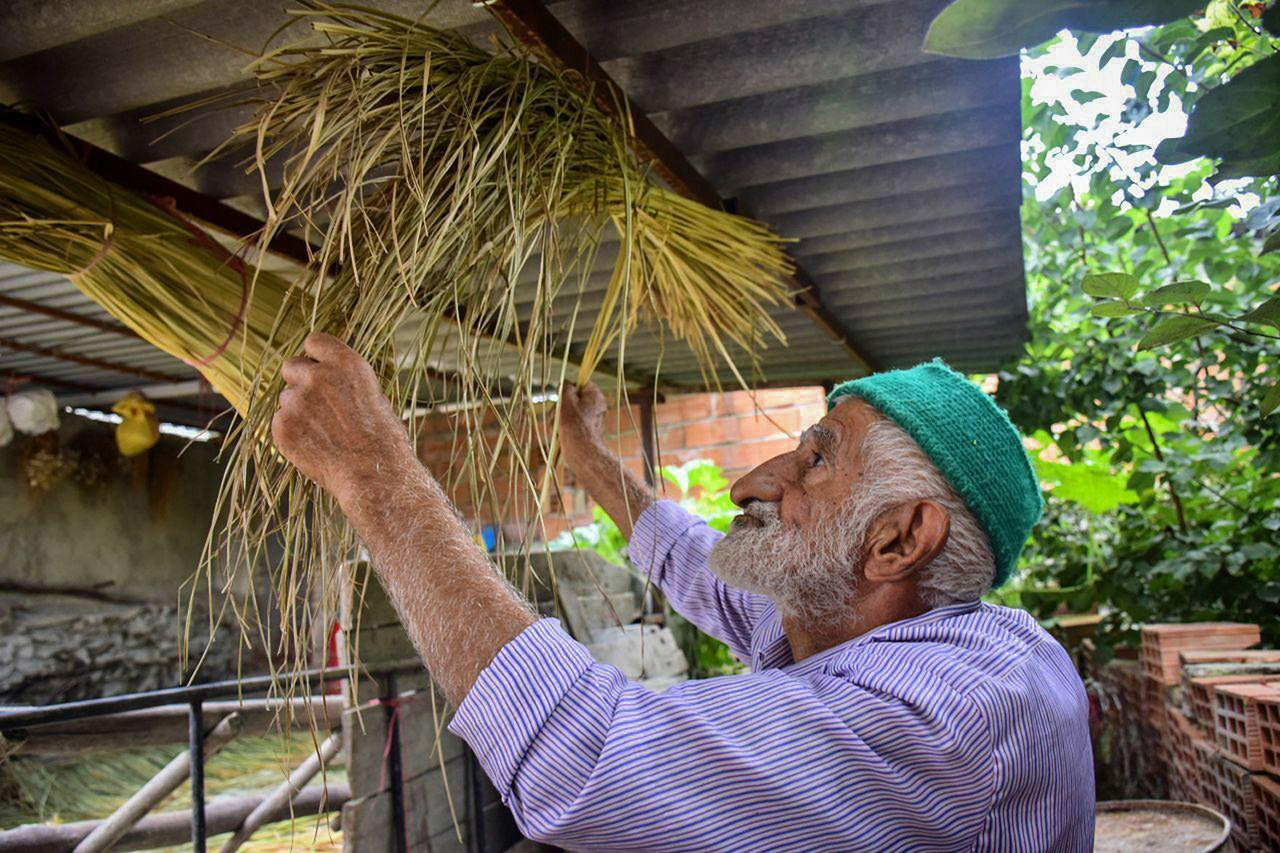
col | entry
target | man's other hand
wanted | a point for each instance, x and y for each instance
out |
(334, 423)
(582, 411)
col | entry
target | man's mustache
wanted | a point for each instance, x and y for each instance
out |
(762, 513)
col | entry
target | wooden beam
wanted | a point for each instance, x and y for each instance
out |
(101, 364)
(222, 814)
(162, 784)
(534, 25)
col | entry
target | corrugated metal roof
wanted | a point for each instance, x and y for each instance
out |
(897, 173)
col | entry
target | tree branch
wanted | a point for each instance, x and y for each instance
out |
(1173, 493)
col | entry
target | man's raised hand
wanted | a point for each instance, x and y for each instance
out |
(334, 423)
(582, 411)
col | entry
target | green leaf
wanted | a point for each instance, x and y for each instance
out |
(1110, 285)
(1272, 244)
(1173, 329)
(1113, 308)
(1114, 50)
(1268, 313)
(1172, 151)
(987, 29)
(1176, 293)
(1239, 120)
(1131, 71)
(1271, 401)
(1257, 167)
(1206, 40)
(1092, 487)
(1080, 96)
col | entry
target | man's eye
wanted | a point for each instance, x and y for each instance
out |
(818, 460)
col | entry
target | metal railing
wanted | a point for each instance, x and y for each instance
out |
(14, 724)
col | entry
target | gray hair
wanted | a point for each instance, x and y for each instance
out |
(896, 470)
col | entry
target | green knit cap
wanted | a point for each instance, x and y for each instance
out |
(971, 440)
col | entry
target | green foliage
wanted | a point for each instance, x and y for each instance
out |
(703, 491)
(986, 29)
(1236, 112)
(1238, 122)
(1153, 353)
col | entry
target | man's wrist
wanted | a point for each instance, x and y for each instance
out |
(581, 454)
(368, 483)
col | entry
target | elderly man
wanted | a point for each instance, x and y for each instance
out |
(887, 708)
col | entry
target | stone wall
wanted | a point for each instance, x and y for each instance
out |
(56, 649)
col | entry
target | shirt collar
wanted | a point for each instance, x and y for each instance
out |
(814, 662)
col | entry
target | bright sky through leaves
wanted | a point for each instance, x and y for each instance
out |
(1063, 74)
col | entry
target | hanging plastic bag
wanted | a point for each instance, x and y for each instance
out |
(34, 411)
(140, 429)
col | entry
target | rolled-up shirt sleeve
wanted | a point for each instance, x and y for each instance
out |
(773, 760)
(672, 546)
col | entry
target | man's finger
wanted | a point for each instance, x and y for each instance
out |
(325, 347)
(590, 393)
(295, 371)
(569, 393)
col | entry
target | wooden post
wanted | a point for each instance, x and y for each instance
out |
(161, 785)
(648, 438)
(284, 792)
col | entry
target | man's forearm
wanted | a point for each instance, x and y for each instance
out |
(455, 606)
(619, 491)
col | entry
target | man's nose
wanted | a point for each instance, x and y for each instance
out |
(766, 482)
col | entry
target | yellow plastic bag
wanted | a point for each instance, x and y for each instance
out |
(140, 429)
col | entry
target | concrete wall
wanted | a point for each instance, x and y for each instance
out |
(82, 536)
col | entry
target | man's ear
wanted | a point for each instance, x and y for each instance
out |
(905, 539)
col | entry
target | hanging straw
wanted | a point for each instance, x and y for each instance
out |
(431, 174)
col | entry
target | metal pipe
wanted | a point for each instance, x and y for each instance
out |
(395, 764)
(79, 710)
(195, 731)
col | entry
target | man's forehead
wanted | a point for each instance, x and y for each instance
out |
(852, 413)
(844, 425)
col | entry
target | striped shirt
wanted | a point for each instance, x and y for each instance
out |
(964, 728)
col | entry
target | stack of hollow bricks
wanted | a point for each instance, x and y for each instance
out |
(736, 430)
(1214, 706)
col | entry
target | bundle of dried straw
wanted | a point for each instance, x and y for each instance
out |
(430, 173)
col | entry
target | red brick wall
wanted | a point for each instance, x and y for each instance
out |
(725, 428)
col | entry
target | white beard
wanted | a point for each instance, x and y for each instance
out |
(808, 573)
